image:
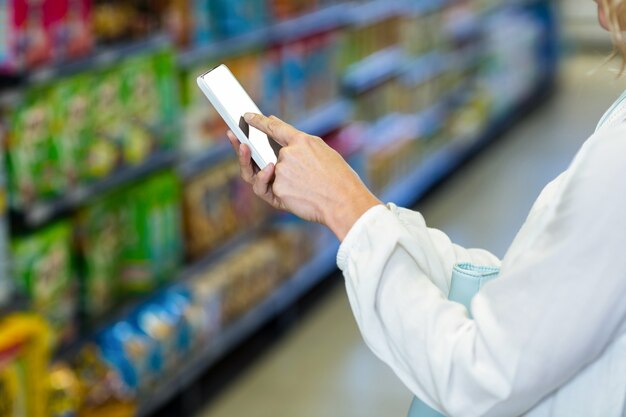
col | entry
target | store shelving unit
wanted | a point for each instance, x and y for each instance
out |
(328, 18)
(35, 215)
(322, 264)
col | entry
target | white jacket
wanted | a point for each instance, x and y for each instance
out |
(547, 338)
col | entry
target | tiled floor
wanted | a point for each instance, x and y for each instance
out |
(322, 368)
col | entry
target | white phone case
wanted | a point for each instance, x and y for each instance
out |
(262, 152)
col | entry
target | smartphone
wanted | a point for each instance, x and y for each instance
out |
(231, 102)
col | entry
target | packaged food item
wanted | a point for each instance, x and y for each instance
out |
(119, 20)
(321, 84)
(204, 315)
(73, 37)
(294, 80)
(235, 17)
(272, 82)
(153, 246)
(164, 322)
(64, 396)
(132, 354)
(24, 355)
(203, 126)
(102, 389)
(217, 204)
(109, 123)
(32, 162)
(166, 73)
(209, 214)
(101, 243)
(141, 102)
(203, 23)
(42, 265)
(71, 127)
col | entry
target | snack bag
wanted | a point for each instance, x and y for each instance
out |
(109, 123)
(43, 268)
(32, 164)
(74, 37)
(71, 127)
(64, 394)
(101, 240)
(165, 70)
(103, 391)
(133, 355)
(153, 244)
(141, 102)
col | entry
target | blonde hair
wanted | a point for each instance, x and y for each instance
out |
(616, 16)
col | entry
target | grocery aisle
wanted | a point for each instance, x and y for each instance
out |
(322, 367)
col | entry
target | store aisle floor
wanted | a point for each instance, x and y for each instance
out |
(322, 368)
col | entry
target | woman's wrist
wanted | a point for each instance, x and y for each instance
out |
(340, 218)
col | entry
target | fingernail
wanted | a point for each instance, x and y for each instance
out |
(248, 117)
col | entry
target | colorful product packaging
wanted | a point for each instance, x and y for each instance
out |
(216, 205)
(294, 80)
(71, 127)
(140, 98)
(101, 244)
(103, 390)
(109, 122)
(153, 246)
(32, 161)
(64, 391)
(235, 17)
(203, 127)
(42, 265)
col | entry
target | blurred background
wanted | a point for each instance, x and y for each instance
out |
(140, 277)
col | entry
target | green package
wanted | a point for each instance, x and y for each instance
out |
(71, 127)
(108, 123)
(153, 245)
(33, 167)
(101, 239)
(42, 268)
(141, 101)
(166, 71)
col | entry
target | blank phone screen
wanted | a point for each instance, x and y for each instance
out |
(236, 102)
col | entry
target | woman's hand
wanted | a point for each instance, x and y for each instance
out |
(310, 179)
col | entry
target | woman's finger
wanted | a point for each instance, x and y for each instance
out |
(233, 140)
(275, 128)
(263, 182)
(245, 163)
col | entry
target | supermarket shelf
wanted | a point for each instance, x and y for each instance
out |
(40, 213)
(374, 11)
(374, 69)
(326, 118)
(310, 274)
(322, 20)
(194, 165)
(424, 67)
(444, 161)
(102, 57)
(326, 19)
(196, 55)
(127, 308)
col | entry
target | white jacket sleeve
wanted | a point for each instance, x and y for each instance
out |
(552, 310)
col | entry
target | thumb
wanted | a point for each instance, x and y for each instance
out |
(281, 132)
